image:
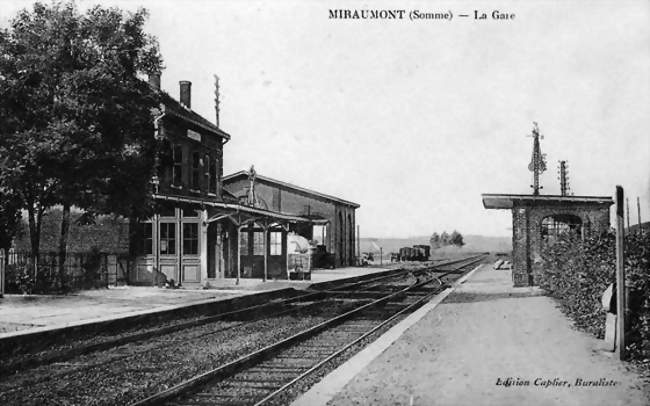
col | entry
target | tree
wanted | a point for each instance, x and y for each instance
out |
(9, 224)
(444, 239)
(456, 239)
(76, 125)
(434, 241)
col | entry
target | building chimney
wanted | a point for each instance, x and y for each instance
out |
(186, 93)
(154, 80)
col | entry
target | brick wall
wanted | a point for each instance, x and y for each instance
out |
(527, 238)
(109, 235)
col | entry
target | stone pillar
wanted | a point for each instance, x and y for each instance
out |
(203, 247)
(520, 261)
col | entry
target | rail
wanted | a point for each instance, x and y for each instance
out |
(224, 371)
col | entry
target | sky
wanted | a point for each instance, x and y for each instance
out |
(414, 120)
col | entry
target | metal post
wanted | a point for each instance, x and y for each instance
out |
(285, 242)
(381, 256)
(238, 253)
(620, 275)
(203, 247)
(266, 251)
(155, 238)
(3, 261)
(627, 206)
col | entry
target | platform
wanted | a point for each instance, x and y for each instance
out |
(487, 343)
(21, 314)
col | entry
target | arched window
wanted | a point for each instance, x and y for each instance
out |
(554, 226)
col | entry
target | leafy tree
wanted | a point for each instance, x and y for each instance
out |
(9, 218)
(456, 238)
(444, 239)
(76, 125)
(9, 224)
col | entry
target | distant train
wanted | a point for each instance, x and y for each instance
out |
(414, 253)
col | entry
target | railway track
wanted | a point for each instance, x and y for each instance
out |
(266, 374)
(170, 355)
(251, 313)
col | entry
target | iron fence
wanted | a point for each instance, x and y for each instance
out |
(86, 270)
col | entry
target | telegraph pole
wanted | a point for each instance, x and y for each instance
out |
(638, 209)
(620, 276)
(564, 178)
(217, 97)
(627, 206)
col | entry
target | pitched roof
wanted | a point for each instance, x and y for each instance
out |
(175, 108)
(291, 186)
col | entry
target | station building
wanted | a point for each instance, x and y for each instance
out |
(332, 220)
(205, 230)
(539, 219)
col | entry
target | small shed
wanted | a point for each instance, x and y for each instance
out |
(538, 219)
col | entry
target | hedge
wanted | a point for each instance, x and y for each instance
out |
(577, 271)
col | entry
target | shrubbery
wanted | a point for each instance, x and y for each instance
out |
(577, 272)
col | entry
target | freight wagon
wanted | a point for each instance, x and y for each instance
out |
(415, 253)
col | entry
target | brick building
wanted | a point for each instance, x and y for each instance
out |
(202, 233)
(537, 220)
(332, 219)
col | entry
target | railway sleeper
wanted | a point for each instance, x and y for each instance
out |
(207, 400)
(298, 365)
(279, 376)
(238, 384)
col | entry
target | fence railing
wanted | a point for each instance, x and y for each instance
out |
(85, 270)
(2, 272)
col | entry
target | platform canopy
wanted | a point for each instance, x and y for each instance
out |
(239, 213)
(507, 201)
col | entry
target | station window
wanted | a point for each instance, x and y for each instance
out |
(190, 213)
(147, 238)
(243, 242)
(276, 243)
(190, 239)
(213, 175)
(196, 171)
(177, 168)
(258, 243)
(553, 227)
(319, 234)
(167, 238)
(208, 172)
(167, 211)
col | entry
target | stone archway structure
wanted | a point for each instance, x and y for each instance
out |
(530, 218)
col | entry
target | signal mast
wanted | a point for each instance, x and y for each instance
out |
(537, 163)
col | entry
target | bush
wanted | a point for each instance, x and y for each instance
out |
(576, 272)
(637, 266)
(25, 279)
